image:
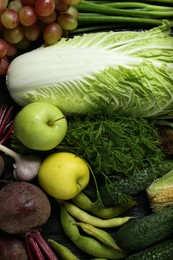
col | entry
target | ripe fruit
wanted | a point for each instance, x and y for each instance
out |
(63, 175)
(40, 126)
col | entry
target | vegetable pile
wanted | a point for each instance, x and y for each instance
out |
(108, 183)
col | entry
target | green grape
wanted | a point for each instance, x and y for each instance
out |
(3, 48)
(73, 12)
(67, 21)
(52, 33)
(51, 18)
(15, 5)
(9, 19)
(13, 35)
(44, 7)
(28, 2)
(12, 50)
(24, 44)
(61, 6)
(4, 64)
(27, 15)
(3, 5)
(32, 32)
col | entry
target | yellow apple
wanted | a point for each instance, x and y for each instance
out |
(63, 175)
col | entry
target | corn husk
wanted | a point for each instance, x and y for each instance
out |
(160, 192)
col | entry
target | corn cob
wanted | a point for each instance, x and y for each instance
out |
(160, 192)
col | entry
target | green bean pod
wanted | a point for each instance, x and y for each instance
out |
(63, 252)
(83, 202)
(83, 216)
(87, 244)
(99, 234)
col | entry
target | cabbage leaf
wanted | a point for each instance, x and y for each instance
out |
(128, 72)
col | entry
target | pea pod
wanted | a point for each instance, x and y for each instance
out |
(83, 202)
(83, 216)
(63, 252)
(99, 234)
(87, 244)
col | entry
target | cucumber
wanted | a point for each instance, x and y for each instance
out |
(146, 231)
(123, 188)
(160, 251)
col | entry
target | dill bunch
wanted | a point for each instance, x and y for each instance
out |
(119, 150)
(113, 146)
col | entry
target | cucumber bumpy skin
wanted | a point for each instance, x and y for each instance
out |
(160, 251)
(146, 231)
(132, 184)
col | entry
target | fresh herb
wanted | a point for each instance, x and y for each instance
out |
(100, 15)
(113, 145)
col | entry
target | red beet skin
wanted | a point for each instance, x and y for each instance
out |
(24, 206)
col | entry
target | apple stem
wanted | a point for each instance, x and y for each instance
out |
(50, 123)
(10, 152)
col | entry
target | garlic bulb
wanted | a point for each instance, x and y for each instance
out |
(25, 167)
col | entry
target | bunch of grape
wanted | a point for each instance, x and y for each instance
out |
(25, 22)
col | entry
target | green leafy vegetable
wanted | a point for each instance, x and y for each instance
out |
(111, 144)
(118, 149)
(95, 15)
(128, 72)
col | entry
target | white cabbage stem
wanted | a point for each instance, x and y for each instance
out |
(25, 167)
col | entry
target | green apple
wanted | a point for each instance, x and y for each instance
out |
(40, 126)
(63, 175)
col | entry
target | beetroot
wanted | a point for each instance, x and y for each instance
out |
(23, 206)
(12, 247)
(24, 209)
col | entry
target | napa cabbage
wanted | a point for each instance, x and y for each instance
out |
(127, 72)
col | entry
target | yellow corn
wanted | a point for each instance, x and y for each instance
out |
(165, 195)
(161, 197)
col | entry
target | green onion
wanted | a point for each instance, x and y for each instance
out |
(146, 13)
